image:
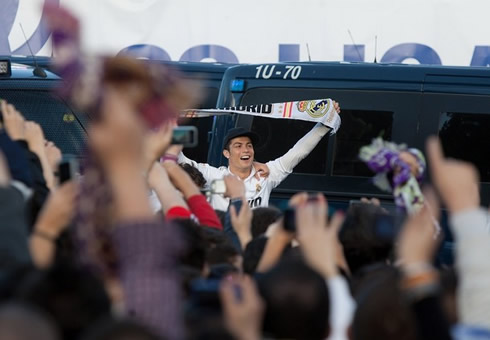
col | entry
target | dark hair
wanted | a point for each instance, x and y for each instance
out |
(227, 145)
(222, 253)
(22, 322)
(361, 246)
(194, 174)
(252, 254)
(74, 297)
(196, 244)
(110, 329)
(382, 311)
(220, 249)
(221, 270)
(297, 302)
(262, 218)
(214, 236)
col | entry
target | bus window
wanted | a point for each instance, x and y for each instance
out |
(277, 136)
(359, 127)
(465, 136)
(59, 122)
(365, 115)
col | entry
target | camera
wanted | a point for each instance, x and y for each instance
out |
(217, 187)
(185, 135)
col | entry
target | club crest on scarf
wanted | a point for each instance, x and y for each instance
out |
(314, 108)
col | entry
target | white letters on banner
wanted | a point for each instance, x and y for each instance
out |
(253, 31)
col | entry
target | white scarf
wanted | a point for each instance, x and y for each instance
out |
(316, 110)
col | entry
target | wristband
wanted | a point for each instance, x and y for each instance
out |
(169, 157)
(420, 279)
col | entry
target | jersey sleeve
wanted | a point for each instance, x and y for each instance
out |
(281, 167)
(208, 172)
(204, 212)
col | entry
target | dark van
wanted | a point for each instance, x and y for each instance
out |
(401, 103)
(33, 95)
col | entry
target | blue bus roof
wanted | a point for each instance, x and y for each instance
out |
(372, 76)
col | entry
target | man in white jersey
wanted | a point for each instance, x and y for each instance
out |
(239, 150)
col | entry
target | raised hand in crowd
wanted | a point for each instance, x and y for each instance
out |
(53, 153)
(180, 179)
(184, 183)
(35, 140)
(317, 237)
(13, 121)
(242, 222)
(243, 309)
(157, 142)
(373, 201)
(56, 215)
(416, 249)
(235, 188)
(167, 194)
(4, 171)
(35, 137)
(416, 246)
(117, 140)
(278, 237)
(174, 149)
(456, 181)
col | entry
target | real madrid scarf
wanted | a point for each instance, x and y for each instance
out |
(316, 110)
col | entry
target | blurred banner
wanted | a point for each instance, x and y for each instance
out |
(448, 32)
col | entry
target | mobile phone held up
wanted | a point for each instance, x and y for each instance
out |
(290, 215)
(185, 135)
(388, 226)
(68, 170)
(290, 220)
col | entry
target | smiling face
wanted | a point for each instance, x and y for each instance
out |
(240, 154)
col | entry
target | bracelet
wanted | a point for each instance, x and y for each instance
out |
(169, 157)
(418, 280)
(418, 293)
(44, 235)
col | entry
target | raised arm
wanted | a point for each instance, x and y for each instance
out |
(146, 248)
(168, 196)
(457, 184)
(209, 172)
(192, 194)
